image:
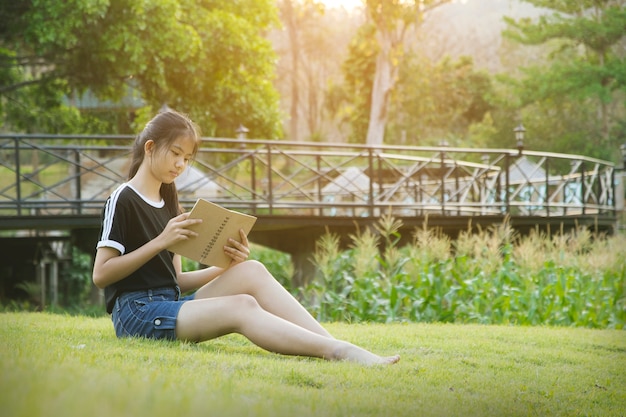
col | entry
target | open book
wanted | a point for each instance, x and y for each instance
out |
(218, 224)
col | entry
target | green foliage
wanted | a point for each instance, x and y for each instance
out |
(206, 58)
(371, 68)
(583, 71)
(569, 124)
(598, 25)
(75, 280)
(74, 290)
(277, 263)
(39, 107)
(438, 100)
(352, 101)
(492, 277)
(75, 283)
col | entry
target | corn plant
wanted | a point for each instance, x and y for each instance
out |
(491, 277)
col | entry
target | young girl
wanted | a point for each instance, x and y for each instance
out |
(143, 281)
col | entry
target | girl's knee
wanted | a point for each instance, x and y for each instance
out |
(245, 302)
(251, 266)
(253, 270)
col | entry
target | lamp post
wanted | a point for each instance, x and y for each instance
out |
(242, 134)
(443, 144)
(519, 137)
(619, 187)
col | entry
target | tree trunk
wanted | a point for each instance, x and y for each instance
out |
(383, 83)
(392, 19)
(290, 20)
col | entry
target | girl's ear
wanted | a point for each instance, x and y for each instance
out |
(148, 147)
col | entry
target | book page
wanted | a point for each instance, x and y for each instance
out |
(218, 224)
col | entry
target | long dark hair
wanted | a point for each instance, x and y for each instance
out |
(163, 130)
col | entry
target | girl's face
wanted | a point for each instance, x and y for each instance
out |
(169, 162)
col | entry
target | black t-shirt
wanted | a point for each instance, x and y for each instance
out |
(129, 221)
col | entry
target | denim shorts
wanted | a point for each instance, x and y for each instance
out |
(150, 313)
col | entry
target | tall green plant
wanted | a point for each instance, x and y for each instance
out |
(332, 283)
(493, 277)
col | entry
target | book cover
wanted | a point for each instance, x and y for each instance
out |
(218, 224)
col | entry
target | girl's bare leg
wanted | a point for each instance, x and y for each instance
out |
(251, 277)
(205, 319)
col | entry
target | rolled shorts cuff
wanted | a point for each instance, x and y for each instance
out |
(150, 313)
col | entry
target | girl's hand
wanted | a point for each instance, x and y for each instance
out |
(238, 251)
(177, 230)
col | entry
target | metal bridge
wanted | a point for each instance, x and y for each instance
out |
(299, 190)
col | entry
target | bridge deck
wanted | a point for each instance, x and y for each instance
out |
(53, 182)
(54, 187)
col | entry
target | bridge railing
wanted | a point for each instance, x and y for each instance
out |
(74, 174)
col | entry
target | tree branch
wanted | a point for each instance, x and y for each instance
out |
(17, 86)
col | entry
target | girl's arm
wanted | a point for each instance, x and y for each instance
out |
(192, 280)
(111, 267)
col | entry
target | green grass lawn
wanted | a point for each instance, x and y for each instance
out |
(55, 365)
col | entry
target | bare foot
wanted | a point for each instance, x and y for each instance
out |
(390, 360)
(349, 352)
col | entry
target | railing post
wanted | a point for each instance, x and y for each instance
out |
(613, 193)
(320, 211)
(507, 173)
(582, 187)
(498, 195)
(79, 194)
(370, 161)
(420, 195)
(457, 191)
(253, 180)
(270, 194)
(598, 188)
(380, 175)
(18, 182)
(443, 183)
(41, 272)
(547, 197)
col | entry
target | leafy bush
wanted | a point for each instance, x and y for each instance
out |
(490, 277)
(75, 280)
(74, 290)
(278, 263)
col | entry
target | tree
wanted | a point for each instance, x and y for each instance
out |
(586, 64)
(294, 16)
(391, 18)
(311, 47)
(351, 101)
(290, 19)
(435, 101)
(208, 58)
